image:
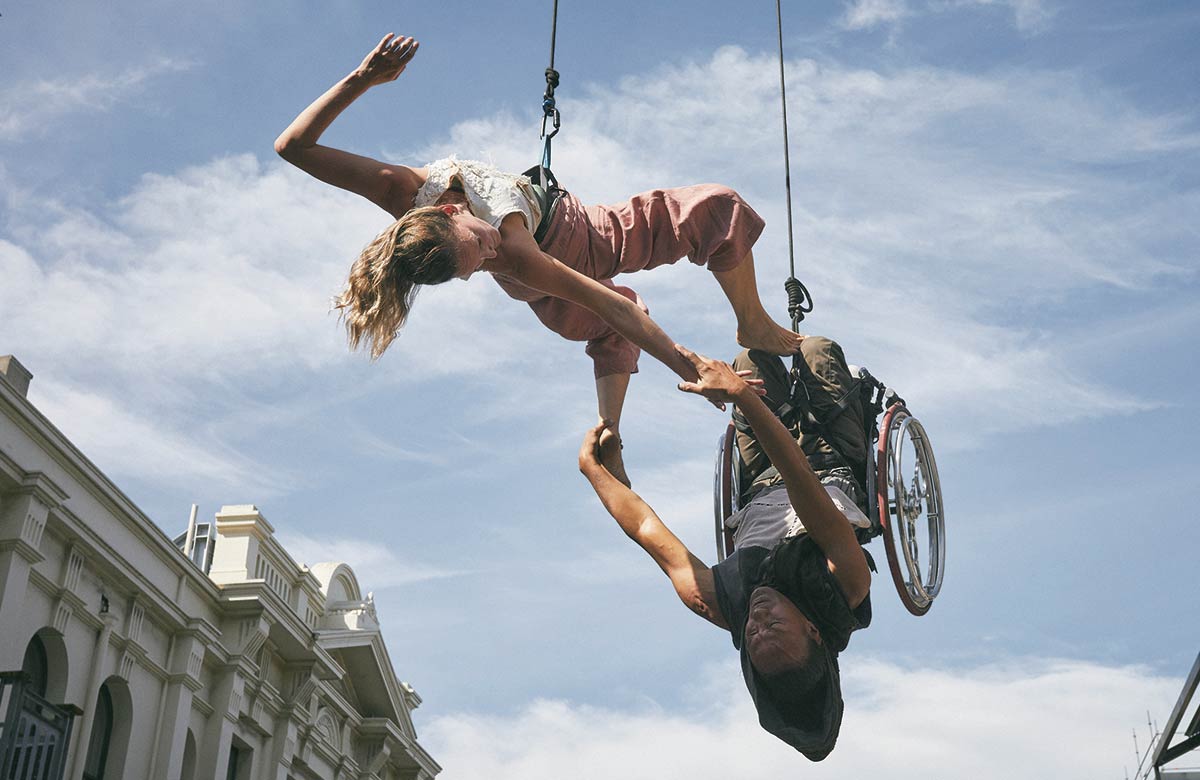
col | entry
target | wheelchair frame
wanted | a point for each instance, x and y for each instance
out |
(901, 511)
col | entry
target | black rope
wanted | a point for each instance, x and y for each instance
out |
(799, 300)
(549, 109)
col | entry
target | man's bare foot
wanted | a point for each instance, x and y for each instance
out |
(610, 456)
(765, 335)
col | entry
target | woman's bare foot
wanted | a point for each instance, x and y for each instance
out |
(610, 456)
(765, 335)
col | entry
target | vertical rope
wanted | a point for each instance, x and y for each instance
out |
(553, 32)
(549, 108)
(799, 301)
(787, 163)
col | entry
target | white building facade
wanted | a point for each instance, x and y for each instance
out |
(233, 662)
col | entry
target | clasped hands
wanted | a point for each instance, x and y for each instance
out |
(716, 381)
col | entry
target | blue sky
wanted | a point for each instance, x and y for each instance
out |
(996, 210)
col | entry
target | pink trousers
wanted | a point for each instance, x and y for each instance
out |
(707, 223)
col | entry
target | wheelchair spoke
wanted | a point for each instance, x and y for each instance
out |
(915, 514)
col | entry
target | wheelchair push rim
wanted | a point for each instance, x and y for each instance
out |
(725, 499)
(910, 512)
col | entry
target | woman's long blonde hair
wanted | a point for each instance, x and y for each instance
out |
(419, 248)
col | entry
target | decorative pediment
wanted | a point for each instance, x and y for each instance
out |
(326, 729)
(345, 607)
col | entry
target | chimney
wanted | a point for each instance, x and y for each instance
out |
(15, 374)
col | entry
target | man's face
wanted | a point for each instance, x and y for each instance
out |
(778, 635)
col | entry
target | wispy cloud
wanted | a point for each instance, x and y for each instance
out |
(376, 565)
(1029, 17)
(926, 200)
(866, 14)
(1028, 718)
(32, 108)
(126, 440)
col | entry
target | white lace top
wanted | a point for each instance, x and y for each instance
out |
(492, 193)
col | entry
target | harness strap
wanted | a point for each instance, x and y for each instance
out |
(545, 187)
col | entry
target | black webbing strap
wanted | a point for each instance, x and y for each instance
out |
(545, 186)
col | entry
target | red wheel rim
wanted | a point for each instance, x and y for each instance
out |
(895, 413)
(727, 487)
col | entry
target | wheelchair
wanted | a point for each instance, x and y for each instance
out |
(904, 495)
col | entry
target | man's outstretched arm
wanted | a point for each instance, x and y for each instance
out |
(692, 579)
(826, 525)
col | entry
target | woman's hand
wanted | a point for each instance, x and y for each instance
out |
(388, 60)
(718, 381)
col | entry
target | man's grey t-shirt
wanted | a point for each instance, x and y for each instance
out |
(762, 525)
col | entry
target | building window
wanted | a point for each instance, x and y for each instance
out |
(97, 753)
(188, 770)
(36, 667)
(202, 547)
(240, 759)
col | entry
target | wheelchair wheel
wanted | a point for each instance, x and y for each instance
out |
(909, 502)
(725, 490)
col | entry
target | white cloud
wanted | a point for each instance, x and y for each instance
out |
(867, 14)
(376, 565)
(1030, 17)
(926, 201)
(127, 441)
(1027, 718)
(31, 108)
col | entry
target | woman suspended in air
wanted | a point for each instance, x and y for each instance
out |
(455, 217)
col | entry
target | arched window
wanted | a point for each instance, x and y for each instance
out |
(36, 667)
(188, 771)
(102, 725)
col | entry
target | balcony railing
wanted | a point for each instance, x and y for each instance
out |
(34, 734)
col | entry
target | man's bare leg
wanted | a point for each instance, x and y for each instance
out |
(755, 328)
(610, 398)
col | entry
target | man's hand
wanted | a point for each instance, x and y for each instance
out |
(718, 381)
(589, 451)
(610, 455)
(387, 60)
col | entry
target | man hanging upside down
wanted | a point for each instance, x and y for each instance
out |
(797, 583)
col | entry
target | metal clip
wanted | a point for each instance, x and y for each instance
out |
(550, 111)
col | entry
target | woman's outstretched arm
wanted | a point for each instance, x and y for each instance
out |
(522, 260)
(391, 187)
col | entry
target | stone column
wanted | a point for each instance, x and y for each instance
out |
(212, 759)
(299, 683)
(283, 747)
(82, 732)
(23, 515)
(182, 685)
